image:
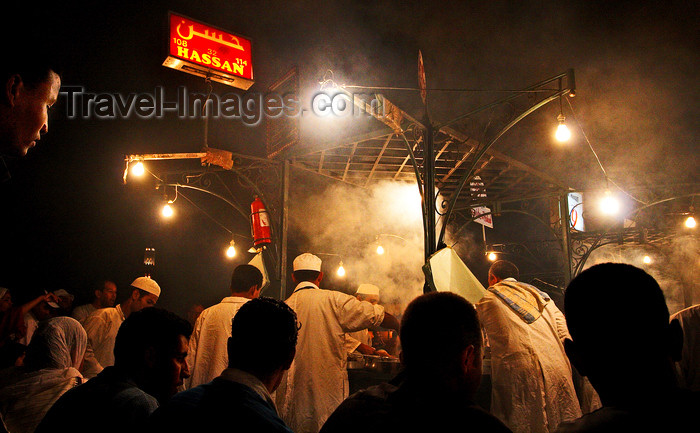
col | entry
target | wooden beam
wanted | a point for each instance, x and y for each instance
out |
(347, 166)
(376, 162)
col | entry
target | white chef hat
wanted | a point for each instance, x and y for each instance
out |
(307, 262)
(147, 285)
(367, 289)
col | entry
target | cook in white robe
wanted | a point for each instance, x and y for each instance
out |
(532, 385)
(317, 381)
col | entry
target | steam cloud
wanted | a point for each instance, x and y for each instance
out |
(352, 222)
(674, 266)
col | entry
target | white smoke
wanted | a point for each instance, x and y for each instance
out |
(352, 222)
(674, 266)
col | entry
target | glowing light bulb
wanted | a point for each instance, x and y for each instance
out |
(609, 205)
(231, 251)
(690, 222)
(380, 250)
(138, 169)
(646, 260)
(341, 270)
(492, 257)
(563, 133)
(168, 210)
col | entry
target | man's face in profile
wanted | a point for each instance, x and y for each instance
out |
(28, 117)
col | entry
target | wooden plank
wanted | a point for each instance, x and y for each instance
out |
(376, 162)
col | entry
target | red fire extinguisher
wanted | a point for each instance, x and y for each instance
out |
(260, 223)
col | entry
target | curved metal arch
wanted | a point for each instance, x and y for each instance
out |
(598, 241)
(540, 220)
(219, 196)
(478, 156)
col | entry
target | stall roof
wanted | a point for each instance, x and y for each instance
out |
(382, 155)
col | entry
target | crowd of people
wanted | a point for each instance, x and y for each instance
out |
(255, 364)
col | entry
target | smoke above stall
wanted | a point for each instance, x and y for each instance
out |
(345, 223)
(673, 265)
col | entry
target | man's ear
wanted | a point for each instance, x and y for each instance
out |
(675, 340)
(468, 359)
(320, 276)
(574, 357)
(11, 90)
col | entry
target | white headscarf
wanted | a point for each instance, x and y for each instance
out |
(59, 342)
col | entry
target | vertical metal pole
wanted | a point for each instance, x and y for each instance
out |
(429, 193)
(565, 235)
(285, 225)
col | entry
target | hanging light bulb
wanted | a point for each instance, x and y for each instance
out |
(380, 250)
(609, 205)
(563, 133)
(646, 260)
(341, 270)
(690, 222)
(492, 257)
(231, 251)
(138, 169)
(167, 209)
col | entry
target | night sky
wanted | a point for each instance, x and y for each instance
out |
(68, 219)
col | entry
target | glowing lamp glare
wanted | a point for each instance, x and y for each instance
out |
(138, 169)
(609, 204)
(231, 251)
(168, 210)
(563, 133)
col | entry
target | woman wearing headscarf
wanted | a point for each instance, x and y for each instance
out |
(50, 369)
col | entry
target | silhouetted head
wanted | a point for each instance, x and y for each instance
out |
(441, 341)
(263, 338)
(619, 322)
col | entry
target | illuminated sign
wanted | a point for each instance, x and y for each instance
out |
(205, 51)
(486, 219)
(575, 200)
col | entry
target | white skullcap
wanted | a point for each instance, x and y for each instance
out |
(61, 293)
(307, 262)
(51, 303)
(147, 285)
(367, 289)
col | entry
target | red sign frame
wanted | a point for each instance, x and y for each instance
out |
(203, 50)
